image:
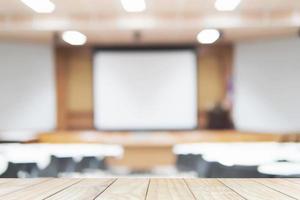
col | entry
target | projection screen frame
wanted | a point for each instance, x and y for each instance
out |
(195, 51)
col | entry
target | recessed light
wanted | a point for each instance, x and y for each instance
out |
(134, 5)
(74, 37)
(208, 36)
(227, 5)
(40, 6)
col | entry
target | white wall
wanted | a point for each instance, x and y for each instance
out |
(145, 90)
(267, 85)
(27, 88)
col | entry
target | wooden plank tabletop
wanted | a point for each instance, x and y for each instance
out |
(149, 189)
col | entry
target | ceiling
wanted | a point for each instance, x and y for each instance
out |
(160, 7)
(164, 21)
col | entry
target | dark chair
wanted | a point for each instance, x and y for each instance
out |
(15, 170)
(90, 162)
(58, 165)
(217, 170)
(188, 162)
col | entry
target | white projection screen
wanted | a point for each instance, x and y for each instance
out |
(145, 89)
(267, 86)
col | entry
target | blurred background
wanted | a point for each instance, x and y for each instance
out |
(169, 88)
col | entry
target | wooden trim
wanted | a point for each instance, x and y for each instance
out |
(60, 61)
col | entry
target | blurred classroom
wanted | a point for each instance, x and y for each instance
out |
(149, 88)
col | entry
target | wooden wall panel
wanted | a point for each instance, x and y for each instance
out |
(61, 63)
(210, 85)
(74, 88)
(79, 82)
(215, 63)
(75, 82)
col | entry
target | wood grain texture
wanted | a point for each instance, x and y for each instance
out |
(284, 186)
(84, 190)
(209, 189)
(175, 189)
(41, 190)
(149, 189)
(133, 189)
(5, 180)
(252, 190)
(8, 186)
(294, 180)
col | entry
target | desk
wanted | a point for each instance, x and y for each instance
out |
(155, 138)
(150, 189)
(143, 151)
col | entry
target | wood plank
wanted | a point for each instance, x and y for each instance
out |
(154, 189)
(133, 189)
(11, 185)
(175, 189)
(252, 190)
(5, 180)
(209, 189)
(41, 190)
(284, 186)
(84, 190)
(294, 180)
